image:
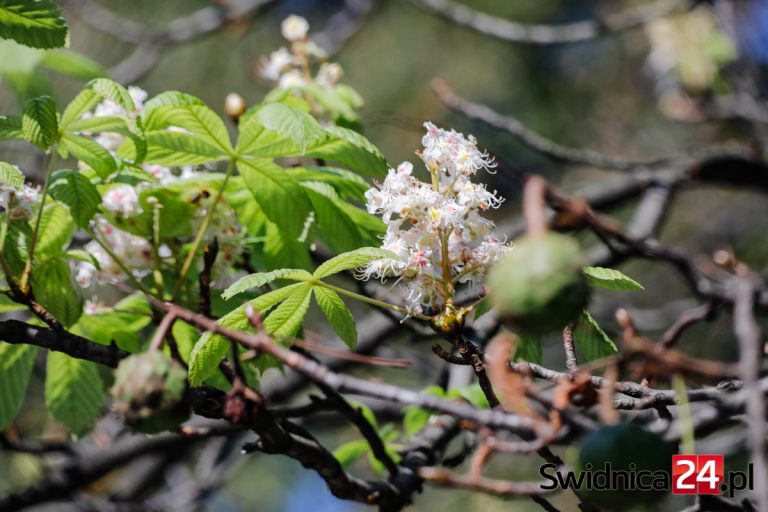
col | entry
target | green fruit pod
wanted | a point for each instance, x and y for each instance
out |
(627, 467)
(539, 286)
(150, 392)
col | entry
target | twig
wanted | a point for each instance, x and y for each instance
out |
(751, 356)
(570, 353)
(684, 321)
(345, 384)
(210, 252)
(561, 153)
(503, 488)
(573, 32)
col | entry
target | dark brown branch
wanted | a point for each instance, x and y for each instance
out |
(356, 417)
(319, 373)
(66, 480)
(210, 252)
(14, 331)
(686, 320)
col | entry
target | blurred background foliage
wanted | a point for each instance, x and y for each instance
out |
(606, 94)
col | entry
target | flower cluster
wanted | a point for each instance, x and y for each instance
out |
(19, 203)
(124, 201)
(134, 252)
(437, 229)
(292, 68)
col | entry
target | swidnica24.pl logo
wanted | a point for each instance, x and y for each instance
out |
(691, 474)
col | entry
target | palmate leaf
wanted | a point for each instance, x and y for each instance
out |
(282, 199)
(10, 127)
(352, 149)
(89, 152)
(286, 319)
(282, 249)
(611, 279)
(298, 126)
(591, 341)
(336, 227)
(210, 348)
(338, 314)
(111, 90)
(16, 363)
(198, 119)
(39, 122)
(35, 23)
(252, 281)
(350, 260)
(122, 323)
(11, 175)
(56, 291)
(78, 193)
(92, 94)
(171, 99)
(278, 130)
(74, 392)
(177, 149)
(56, 229)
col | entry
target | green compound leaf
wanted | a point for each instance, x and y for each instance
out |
(16, 363)
(39, 123)
(34, 23)
(338, 315)
(11, 175)
(78, 193)
(611, 279)
(252, 281)
(351, 259)
(591, 341)
(74, 391)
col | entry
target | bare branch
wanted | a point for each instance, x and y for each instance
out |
(574, 32)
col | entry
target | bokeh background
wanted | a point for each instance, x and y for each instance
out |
(613, 94)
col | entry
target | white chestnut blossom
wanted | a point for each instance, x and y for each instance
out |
(301, 64)
(294, 28)
(437, 229)
(122, 200)
(133, 251)
(20, 203)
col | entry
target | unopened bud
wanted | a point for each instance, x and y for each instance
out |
(234, 106)
(623, 318)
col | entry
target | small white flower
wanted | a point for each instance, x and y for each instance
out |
(329, 74)
(294, 28)
(279, 61)
(122, 200)
(291, 79)
(423, 217)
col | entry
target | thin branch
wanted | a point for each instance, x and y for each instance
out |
(570, 352)
(501, 488)
(685, 320)
(751, 356)
(566, 154)
(573, 32)
(319, 373)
